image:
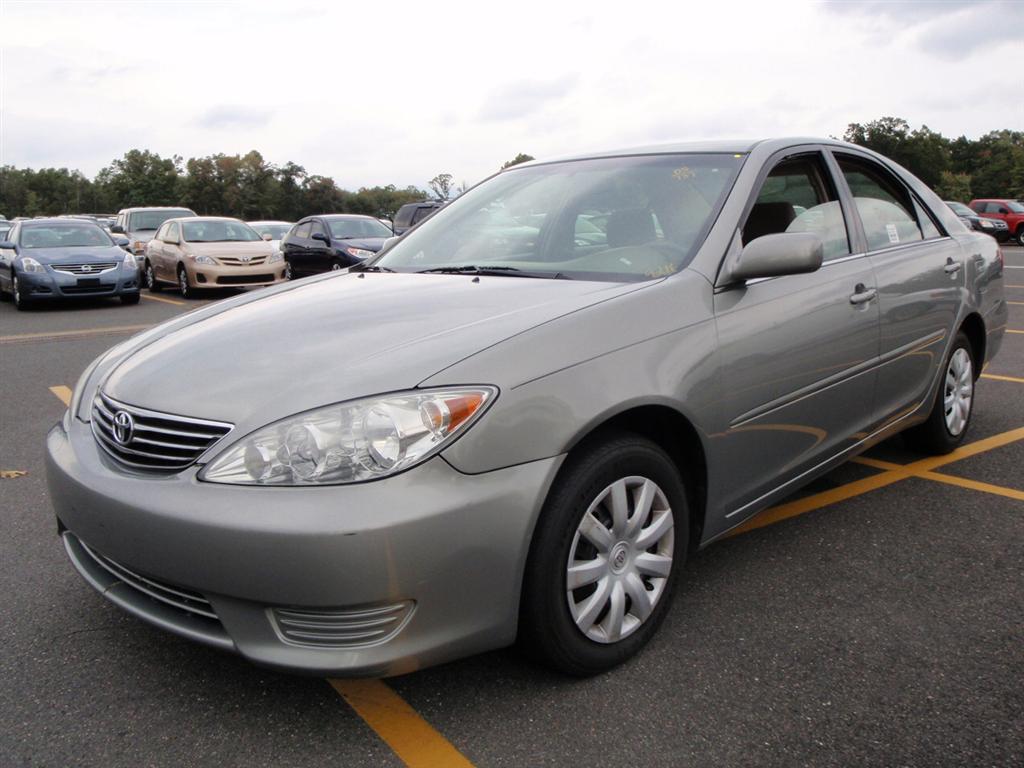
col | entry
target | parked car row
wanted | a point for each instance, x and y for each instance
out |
(989, 226)
(1010, 212)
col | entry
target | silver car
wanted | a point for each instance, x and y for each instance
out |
(518, 419)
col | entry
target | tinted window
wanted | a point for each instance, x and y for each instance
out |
(421, 214)
(526, 219)
(885, 206)
(404, 216)
(302, 230)
(960, 209)
(145, 221)
(798, 196)
(317, 228)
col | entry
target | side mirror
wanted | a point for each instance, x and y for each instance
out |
(787, 253)
(389, 242)
(121, 241)
(321, 237)
(117, 229)
(267, 236)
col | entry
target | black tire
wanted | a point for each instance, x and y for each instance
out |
(152, 284)
(1020, 235)
(288, 275)
(130, 298)
(935, 436)
(186, 290)
(21, 302)
(336, 266)
(547, 629)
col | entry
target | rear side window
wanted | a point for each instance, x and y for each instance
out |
(404, 216)
(302, 230)
(885, 206)
(421, 214)
(798, 196)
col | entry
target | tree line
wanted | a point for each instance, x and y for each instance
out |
(245, 186)
(957, 169)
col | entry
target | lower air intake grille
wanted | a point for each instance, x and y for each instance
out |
(341, 628)
(149, 439)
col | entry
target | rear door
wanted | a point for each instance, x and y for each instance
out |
(920, 274)
(319, 252)
(798, 352)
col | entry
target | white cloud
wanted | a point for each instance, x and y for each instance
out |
(375, 96)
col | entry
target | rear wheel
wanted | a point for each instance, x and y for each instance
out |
(954, 403)
(152, 284)
(609, 542)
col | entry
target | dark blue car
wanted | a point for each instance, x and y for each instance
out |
(334, 241)
(46, 259)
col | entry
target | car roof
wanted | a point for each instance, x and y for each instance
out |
(342, 216)
(60, 220)
(154, 208)
(269, 221)
(191, 219)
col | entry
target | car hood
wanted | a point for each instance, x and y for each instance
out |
(301, 346)
(75, 255)
(251, 248)
(366, 243)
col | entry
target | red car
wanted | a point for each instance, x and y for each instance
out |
(1009, 211)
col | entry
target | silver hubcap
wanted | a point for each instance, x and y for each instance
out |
(335, 267)
(287, 270)
(183, 282)
(620, 559)
(150, 277)
(16, 289)
(959, 391)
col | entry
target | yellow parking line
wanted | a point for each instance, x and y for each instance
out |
(11, 474)
(410, 737)
(867, 461)
(20, 338)
(974, 485)
(1001, 378)
(165, 301)
(1016, 303)
(63, 394)
(859, 487)
(1011, 330)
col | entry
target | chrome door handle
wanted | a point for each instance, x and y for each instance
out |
(863, 295)
(952, 267)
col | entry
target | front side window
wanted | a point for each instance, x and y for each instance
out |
(648, 216)
(173, 235)
(798, 196)
(885, 206)
(64, 236)
(316, 228)
(302, 230)
(218, 231)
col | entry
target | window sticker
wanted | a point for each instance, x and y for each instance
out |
(894, 235)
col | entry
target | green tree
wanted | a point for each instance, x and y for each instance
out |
(441, 185)
(142, 177)
(954, 186)
(520, 158)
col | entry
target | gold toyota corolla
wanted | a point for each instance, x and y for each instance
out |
(210, 252)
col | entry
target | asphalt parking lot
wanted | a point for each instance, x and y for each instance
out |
(875, 618)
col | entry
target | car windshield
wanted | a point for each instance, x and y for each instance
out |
(64, 236)
(144, 221)
(611, 219)
(276, 231)
(960, 209)
(344, 229)
(218, 232)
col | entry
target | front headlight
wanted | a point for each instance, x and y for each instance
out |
(28, 264)
(130, 262)
(351, 442)
(359, 253)
(276, 256)
(986, 224)
(205, 260)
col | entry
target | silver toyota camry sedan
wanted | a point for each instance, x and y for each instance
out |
(516, 421)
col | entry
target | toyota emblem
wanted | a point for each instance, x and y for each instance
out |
(124, 427)
(246, 258)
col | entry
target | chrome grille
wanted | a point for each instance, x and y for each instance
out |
(149, 439)
(234, 261)
(90, 268)
(177, 597)
(341, 628)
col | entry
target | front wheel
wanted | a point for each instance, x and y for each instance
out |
(288, 270)
(954, 402)
(21, 301)
(152, 284)
(336, 266)
(611, 537)
(1020, 235)
(183, 284)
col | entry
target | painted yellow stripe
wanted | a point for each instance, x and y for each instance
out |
(11, 474)
(19, 338)
(151, 297)
(411, 737)
(1016, 303)
(867, 461)
(63, 394)
(859, 487)
(1002, 378)
(1011, 330)
(974, 485)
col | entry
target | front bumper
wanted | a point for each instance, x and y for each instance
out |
(53, 284)
(451, 547)
(222, 276)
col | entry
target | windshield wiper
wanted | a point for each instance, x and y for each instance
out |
(369, 268)
(473, 269)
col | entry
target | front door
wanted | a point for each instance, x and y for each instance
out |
(798, 352)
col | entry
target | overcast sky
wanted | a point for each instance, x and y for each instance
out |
(378, 93)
